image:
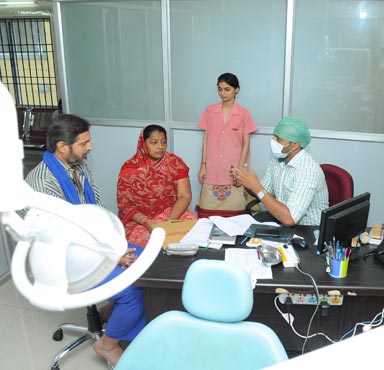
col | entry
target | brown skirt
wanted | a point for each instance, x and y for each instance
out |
(222, 200)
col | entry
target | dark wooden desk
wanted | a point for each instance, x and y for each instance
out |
(363, 291)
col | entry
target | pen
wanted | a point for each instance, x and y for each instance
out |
(207, 246)
(244, 240)
(328, 262)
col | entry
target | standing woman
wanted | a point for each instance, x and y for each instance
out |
(226, 143)
(152, 186)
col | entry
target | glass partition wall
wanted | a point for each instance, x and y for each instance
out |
(130, 62)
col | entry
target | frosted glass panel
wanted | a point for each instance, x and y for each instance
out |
(339, 65)
(244, 37)
(113, 55)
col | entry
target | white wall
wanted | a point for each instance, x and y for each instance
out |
(114, 145)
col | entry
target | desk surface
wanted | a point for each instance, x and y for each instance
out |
(365, 277)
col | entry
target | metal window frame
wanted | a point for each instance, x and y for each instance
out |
(29, 40)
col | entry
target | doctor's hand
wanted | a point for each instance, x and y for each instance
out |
(248, 179)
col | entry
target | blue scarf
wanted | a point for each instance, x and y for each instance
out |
(65, 181)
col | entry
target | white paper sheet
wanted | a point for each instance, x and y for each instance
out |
(199, 233)
(248, 258)
(236, 225)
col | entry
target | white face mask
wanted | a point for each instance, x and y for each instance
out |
(277, 148)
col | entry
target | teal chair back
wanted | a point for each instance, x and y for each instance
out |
(211, 335)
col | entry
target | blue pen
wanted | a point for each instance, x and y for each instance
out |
(244, 240)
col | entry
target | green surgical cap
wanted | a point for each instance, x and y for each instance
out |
(293, 129)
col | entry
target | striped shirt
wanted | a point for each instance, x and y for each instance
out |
(300, 185)
(41, 179)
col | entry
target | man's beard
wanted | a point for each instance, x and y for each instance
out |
(73, 160)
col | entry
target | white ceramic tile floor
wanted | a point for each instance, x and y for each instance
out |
(26, 336)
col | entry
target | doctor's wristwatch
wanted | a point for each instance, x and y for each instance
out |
(261, 194)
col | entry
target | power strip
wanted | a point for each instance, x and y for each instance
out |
(310, 299)
(289, 256)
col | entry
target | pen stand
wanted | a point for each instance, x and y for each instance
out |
(339, 268)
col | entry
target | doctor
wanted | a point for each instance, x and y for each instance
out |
(293, 190)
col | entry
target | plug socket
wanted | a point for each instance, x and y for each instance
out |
(324, 309)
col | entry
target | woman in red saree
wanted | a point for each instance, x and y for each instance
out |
(152, 186)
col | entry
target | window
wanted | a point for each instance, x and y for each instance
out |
(119, 74)
(320, 60)
(338, 65)
(210, 38)
(27, 65)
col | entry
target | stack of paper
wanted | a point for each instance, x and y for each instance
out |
(232, 226)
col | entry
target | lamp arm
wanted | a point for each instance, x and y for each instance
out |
(12, 196)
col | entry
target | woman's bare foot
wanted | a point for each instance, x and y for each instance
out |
(108, 348)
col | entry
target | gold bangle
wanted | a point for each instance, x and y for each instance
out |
(203, 162)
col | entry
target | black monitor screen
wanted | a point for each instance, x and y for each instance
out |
(356, 217)
(345, 225)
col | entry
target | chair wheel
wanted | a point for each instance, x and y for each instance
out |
(55, 368)
(58, 336)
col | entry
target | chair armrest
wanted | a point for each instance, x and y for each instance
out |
(251, 204)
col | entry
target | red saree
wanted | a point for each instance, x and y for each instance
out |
(150, 188)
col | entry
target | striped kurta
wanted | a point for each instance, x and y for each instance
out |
(41, 179)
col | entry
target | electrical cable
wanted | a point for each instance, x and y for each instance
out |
(288, 317)
(288, 312)
(295, 331)
(373, 323)
(316, 308)
(307, 336)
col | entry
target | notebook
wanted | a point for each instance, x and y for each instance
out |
(219, 236)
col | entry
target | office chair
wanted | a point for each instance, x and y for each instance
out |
(211, 335)
(41, 118)
(339, 183)
(94, 331)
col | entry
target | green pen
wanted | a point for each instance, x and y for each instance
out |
(207, 246)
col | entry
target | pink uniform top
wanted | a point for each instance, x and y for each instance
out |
(225, 140)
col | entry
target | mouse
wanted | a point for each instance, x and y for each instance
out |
(299, 243)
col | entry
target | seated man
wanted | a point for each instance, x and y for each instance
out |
(293, 189)
(63, 173)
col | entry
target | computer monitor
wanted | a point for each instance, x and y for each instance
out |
(344, 220)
